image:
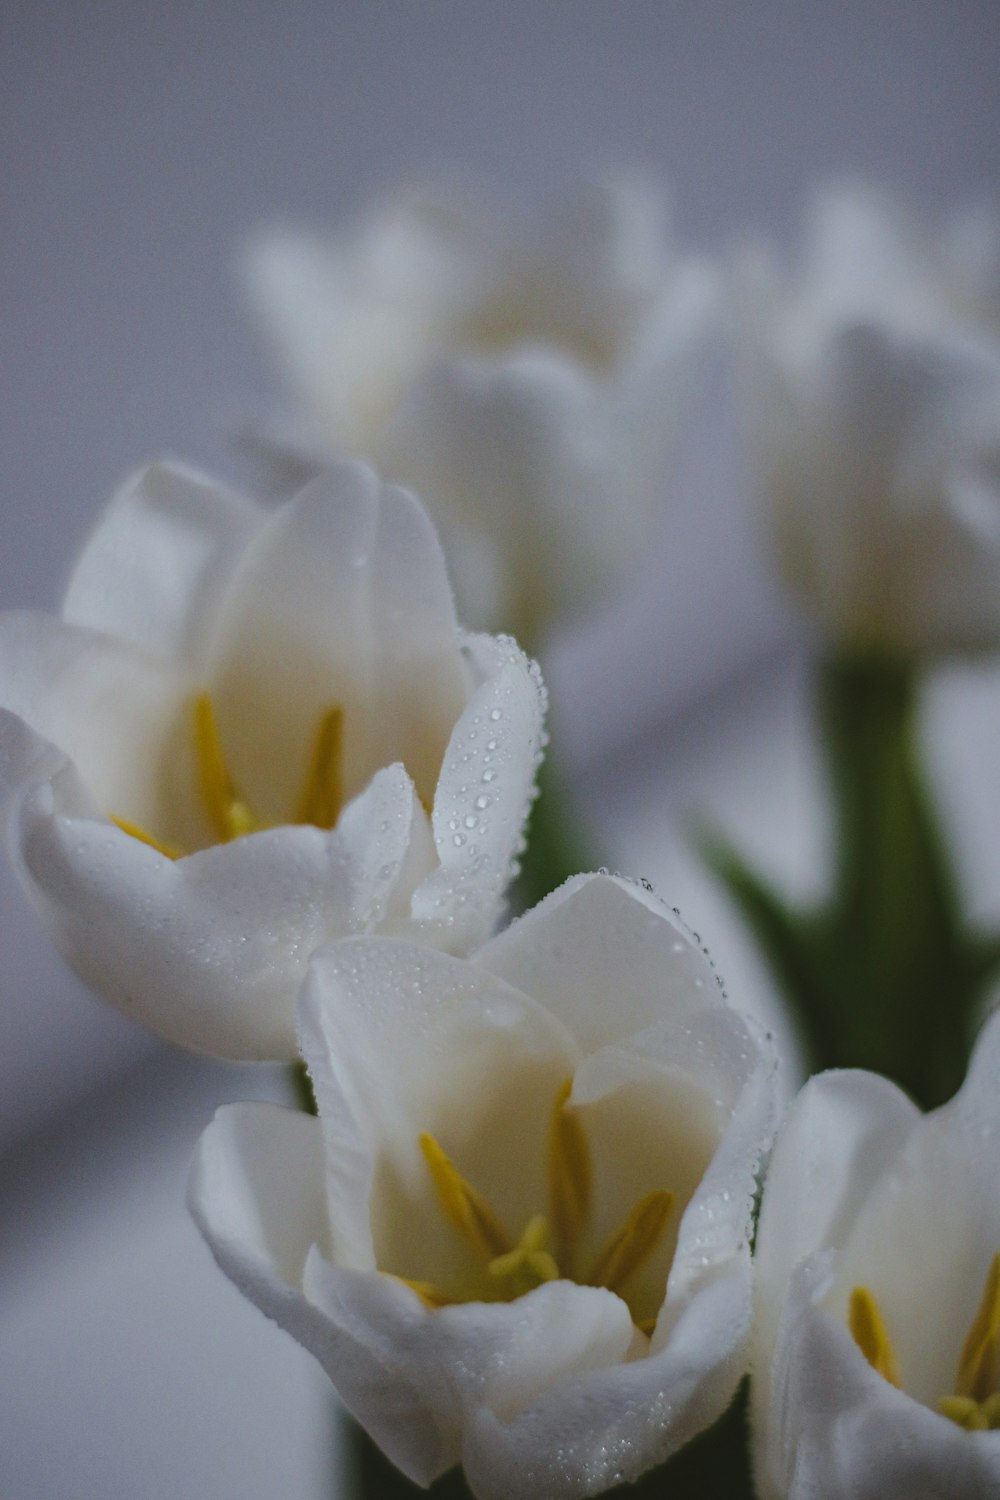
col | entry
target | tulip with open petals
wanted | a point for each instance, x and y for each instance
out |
(872, 395)
(528, 379)
(250, 733)
(876, 1370)
(517, 1236)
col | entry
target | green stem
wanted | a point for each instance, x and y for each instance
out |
(886, 975)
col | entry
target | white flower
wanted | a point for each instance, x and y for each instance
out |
(250, 733)
(872, 388)
(876, 1370)
(517, 1236)
(527, 380)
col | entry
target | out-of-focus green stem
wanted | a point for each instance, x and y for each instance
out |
(556, 847)
(886, 975)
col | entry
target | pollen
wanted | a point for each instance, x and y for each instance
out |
(549, 1247)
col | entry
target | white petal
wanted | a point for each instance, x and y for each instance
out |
(256, 1191)
(209, 950)
(844, 1433)
(414, 1378)
(837, 1139)
(157, 561)
(401, 1039)
(605, 1427)
(607, 958)
(483, 797)
(341, 599)
(515, 452)
(121, 717)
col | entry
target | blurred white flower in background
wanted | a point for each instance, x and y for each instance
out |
(876, 1366)
(871, 392)
(528, 378)
(252, 732)
(517, 1236)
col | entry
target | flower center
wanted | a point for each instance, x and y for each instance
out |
(229, 813)
(549, 1246)
(975, 1403)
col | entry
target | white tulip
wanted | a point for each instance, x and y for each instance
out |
(876, 1369)
(516, 1237)
(250, 733)
(872, 392)
(527, 380)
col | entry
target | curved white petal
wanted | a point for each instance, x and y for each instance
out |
(414, 1377)
(607, 958)
(607, 1426)
(156, 563)
(483, 796)
(453, 1026)
(844, 1433)
(516, 454)
(210, 950)
(121, 717)
(341, 599)
(836, 1140)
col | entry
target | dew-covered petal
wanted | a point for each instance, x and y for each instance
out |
(608, 1425)
(117, 713)
(208, 950)
(417, 1378)
(408, 1040)
(607, 958)
(158, 560)
(483, 796)
(342, 600)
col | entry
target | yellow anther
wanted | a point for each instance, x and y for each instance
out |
(870, 1334)
(570, 1178)
(462, 1205)
(323, 795)
(979, 1362)
(136, 832)
(633, 1243)
(230, 814)
(529, 1264)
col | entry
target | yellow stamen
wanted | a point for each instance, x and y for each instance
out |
(979, 1362)
(633, 1243)
(230, 814)
(135, 831)
(462, 1205)
(870, 1334)
(570, 1178)
(323, 795)
(429, 1294)
(529, 1264)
